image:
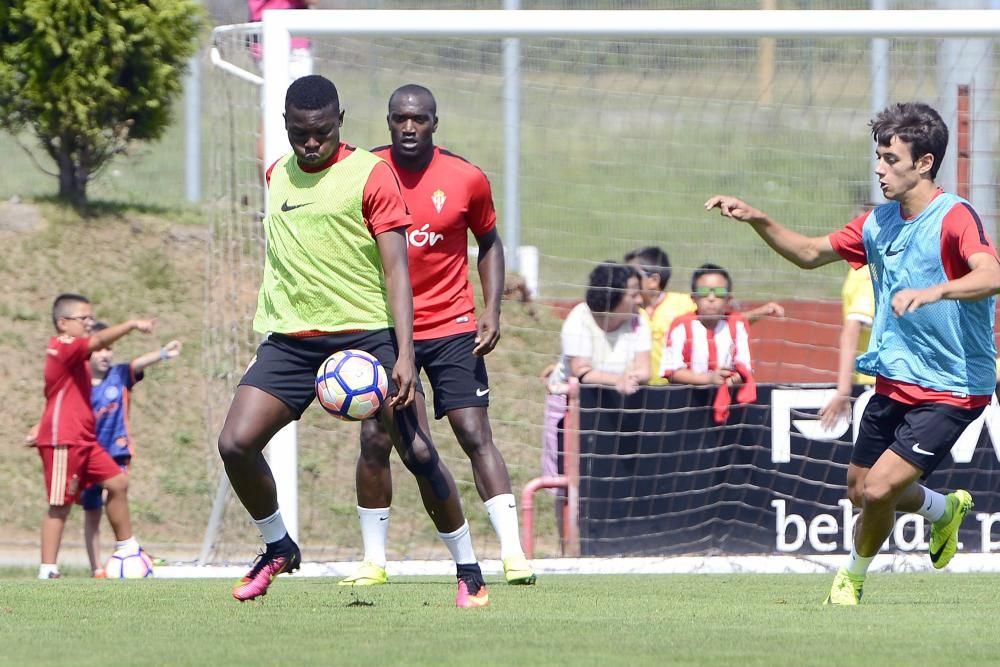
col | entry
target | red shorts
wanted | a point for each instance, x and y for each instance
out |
(69, 469)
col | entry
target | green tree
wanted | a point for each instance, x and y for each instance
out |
(87, 76)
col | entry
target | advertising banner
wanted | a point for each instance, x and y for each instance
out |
(660, 476)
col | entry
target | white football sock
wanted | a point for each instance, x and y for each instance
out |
(459, 543)
(374, 532)
(858, 565)
(129, 546)
(933, 506)
(47, 568)
(503, 516)
(271, 528)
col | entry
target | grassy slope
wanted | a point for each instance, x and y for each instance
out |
(134, 263)
(129, 264)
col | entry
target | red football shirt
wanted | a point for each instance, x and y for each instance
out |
(447, 200)
(68, 417)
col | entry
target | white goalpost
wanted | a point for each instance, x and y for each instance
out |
(623, 122)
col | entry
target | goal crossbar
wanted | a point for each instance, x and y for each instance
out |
(638, 23)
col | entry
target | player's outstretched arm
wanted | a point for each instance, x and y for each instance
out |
(392, 250)
(807, 252)
(106, 337)
(171, 350)
(982, 281)
(492, 269)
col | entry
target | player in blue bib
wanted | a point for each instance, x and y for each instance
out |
(109, 397)
(935, 273)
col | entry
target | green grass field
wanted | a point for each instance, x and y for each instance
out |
(565, 620)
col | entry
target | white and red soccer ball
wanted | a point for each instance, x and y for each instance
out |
(137, 565)
(351, 385)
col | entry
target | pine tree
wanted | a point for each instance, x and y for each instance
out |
(88, 76)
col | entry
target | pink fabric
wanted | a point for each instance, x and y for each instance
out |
(256, 9)
(555, 409)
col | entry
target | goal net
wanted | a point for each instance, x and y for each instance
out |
(627, 123)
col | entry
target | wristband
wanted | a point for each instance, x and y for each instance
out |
(163, 354)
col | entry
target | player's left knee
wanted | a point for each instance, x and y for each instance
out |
(421, 459)
(426, 463)
(876, 493)
(473, 440)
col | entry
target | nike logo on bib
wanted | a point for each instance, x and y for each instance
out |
(482, 392)
(285, 208)
(890, 252)
(918, 450)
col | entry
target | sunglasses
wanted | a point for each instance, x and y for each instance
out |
(81, 318)
(703, 292)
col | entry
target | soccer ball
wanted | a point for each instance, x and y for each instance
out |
(129, 566)
(351, 385)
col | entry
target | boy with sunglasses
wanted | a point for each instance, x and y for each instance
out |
(661, 307)
(710, 346)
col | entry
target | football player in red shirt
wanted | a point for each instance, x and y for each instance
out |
(448, 197)
(66, 439)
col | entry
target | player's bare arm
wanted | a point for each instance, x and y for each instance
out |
(171, 350)
(106, 337)
(840, 405)
(807, 252)
(982, 281)
(392, 249)
(492, 269)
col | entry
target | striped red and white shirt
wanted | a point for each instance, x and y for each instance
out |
(691, 345)
(68, 417)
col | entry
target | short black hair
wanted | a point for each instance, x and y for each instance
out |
(62, 303)
(916, 124)
(311, 93)
(606, 286)
(99, 326)
(416, 90)
(652, 259)
(707, 269)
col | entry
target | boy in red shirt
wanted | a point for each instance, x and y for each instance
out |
(67, 442)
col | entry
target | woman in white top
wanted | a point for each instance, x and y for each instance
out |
(604, 342)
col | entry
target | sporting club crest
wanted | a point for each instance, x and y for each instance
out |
(438, 198)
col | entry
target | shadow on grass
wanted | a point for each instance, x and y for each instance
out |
(105, 208)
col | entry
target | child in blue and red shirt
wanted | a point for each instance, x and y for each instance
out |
(110, 399)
